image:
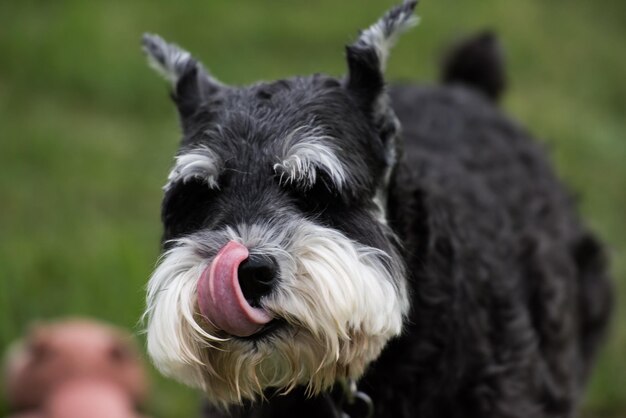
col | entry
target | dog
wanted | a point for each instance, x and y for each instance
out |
(338, 247)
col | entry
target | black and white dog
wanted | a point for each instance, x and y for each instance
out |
(322, 233)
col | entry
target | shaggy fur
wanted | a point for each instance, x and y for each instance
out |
(459, 211)
(510, 293)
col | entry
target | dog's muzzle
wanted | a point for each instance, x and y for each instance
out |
(230, 288)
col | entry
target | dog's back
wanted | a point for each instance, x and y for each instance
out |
(509, 289)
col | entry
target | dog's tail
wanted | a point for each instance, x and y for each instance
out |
(476, 62)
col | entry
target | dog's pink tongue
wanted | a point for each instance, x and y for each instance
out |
(220, 297)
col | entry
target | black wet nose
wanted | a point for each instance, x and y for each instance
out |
(257, 276)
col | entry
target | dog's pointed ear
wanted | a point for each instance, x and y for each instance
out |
(191, 84)
(367, 57)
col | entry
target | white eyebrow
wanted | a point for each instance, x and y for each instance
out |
(197, 163)
(307, 150)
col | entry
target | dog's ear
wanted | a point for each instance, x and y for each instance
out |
(192, 86)
(367, 58)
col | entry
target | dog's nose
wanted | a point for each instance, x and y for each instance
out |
(257, 276)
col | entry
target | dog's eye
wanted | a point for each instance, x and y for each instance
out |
(323, 186)
(317, 196)
(186, 207)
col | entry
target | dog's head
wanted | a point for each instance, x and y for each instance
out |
(278, 267)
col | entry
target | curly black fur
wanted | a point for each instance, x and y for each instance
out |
(510, 293)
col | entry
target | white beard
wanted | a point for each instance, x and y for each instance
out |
(341, 301)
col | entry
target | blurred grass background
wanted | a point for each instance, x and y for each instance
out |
(87, 132)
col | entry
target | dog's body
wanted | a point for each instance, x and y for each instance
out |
(447, 272)
(509, 291)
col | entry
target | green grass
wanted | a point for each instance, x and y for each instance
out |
(87, 133)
